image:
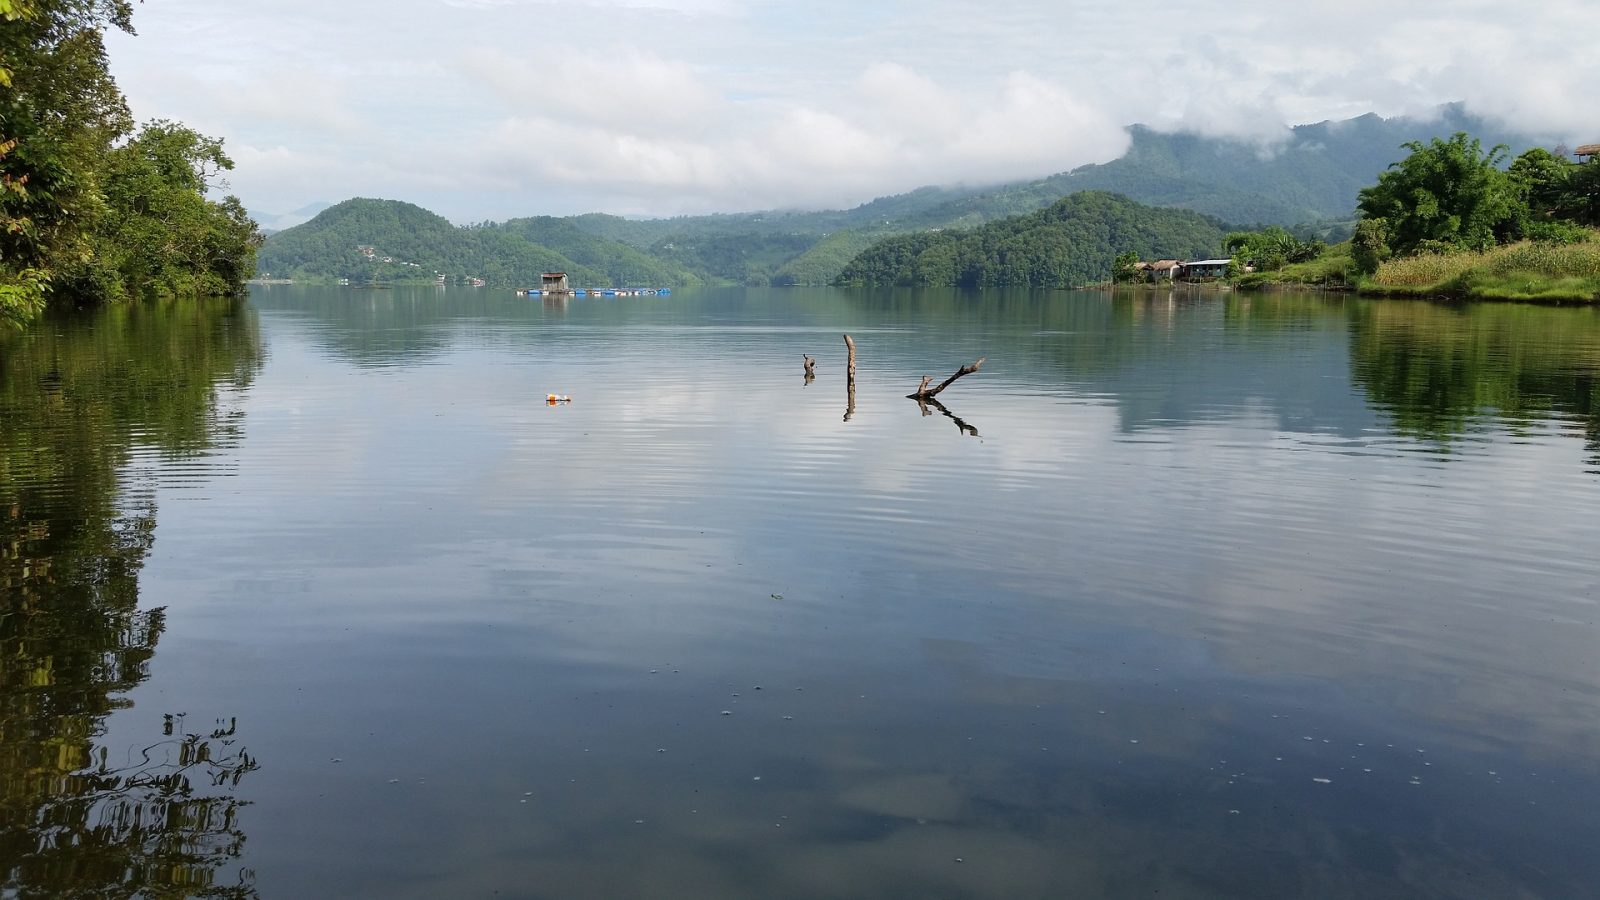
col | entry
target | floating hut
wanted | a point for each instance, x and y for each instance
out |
(554, 283)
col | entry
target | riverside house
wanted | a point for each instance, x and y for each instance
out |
(1205, 269)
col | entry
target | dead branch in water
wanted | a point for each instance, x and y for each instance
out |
(850, 369)
(811, 366)
(923, 392)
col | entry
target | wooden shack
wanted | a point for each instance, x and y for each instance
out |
(1588, 150)
(555, 283)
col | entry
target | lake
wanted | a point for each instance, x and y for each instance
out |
(1197, 595)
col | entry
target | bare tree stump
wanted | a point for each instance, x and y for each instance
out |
(924, 393)
(811, 367)
(849, 399)
(850, 369)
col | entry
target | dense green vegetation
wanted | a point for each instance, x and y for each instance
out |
(1068, 244)
(1452, 219)
(624, 265)
(89, 210)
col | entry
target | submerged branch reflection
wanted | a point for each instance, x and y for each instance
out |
(929, 404)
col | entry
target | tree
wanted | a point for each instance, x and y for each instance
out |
(1446, 193)
(1540, 178)
(1369, 246)
(1124, 267)
(161, 235)
(83, 215)
(1271, 248)
(1580, 199)
(60, 111)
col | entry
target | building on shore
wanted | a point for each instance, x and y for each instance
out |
(1205, 269)
(1164, 269)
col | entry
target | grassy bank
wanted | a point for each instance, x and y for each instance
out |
(1333, 269)
(1524, 271)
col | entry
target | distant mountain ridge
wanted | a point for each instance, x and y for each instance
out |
(1069, 243)
(1313, 175)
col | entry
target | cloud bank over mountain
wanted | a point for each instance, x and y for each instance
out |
(494, 108)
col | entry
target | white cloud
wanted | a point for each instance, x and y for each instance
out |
(481, 108)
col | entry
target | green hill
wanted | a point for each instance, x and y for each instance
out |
(417, 244)
(1067, 244)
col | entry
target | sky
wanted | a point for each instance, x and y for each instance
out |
(490, 109)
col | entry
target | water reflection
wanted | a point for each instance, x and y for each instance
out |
(1195, 615)
(930, 405)
(1164, 359)
(1440, 370)
(82, 402)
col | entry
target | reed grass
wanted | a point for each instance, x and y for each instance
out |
(1522, 271)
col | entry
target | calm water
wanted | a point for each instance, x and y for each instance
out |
(1272, 596)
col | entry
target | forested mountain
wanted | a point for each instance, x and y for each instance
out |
(623, 264)
(1311, 176)
(1069, 243)
(409, 244)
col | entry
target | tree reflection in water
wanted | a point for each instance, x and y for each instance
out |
(75, 528)
(1438, 369)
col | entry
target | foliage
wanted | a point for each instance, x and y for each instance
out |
(59, 114)
(71, 196)
(21, 296)
(624, 265)
(1125, 267)
(161, 236)
(1271, 248)
(1334, 267)
(1450, 193)
(824, 260)
(1540, 179)
(1581, 195)
(1071, 243)
(1369, 246)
